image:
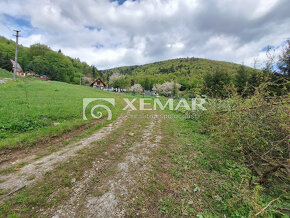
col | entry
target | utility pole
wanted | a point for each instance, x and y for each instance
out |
(16, 55)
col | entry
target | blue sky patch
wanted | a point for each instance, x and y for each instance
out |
(17, 21)
(268, 47)
(98, 46)
(120, 2)
(23, 24)
(274, 47)
(93, 28)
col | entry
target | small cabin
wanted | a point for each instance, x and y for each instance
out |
(98, 83)
(19, 70)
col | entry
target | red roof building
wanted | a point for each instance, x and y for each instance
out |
(98, 83)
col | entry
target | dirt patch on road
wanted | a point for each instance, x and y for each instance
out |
(12, 157)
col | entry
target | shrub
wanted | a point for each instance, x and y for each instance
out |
(253, 132)
(167, 88)
(118, 81)
(137, 88)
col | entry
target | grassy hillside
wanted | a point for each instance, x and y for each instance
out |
(31, 110)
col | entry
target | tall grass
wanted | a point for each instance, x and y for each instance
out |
(253, 131)
(249, 144)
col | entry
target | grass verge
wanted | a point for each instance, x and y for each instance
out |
(190, 178)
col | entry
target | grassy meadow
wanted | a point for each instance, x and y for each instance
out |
(31, 109)
(5, 74)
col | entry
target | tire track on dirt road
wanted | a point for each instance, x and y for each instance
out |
(39, 167)
(117, 189)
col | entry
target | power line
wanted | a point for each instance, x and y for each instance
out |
(16, 55)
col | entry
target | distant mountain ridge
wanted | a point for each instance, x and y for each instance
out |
(197, 65)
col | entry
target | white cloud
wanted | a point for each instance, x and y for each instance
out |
(33, 39)
(264, 6)
(106, 34)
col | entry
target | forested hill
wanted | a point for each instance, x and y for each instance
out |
(41, 59)
(180, 65)
(191, 73)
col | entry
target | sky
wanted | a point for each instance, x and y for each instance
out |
(112, 33)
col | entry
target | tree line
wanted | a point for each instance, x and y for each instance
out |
(41, 59)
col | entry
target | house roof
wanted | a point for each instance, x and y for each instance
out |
(99, 80)
(18, 69)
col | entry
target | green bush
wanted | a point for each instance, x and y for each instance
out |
(249, 149)
(253, 132)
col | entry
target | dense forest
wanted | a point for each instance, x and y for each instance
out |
(40, 59)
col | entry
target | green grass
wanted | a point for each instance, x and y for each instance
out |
(12, 169)
(29, 109)
(191, 179)
(5, 74)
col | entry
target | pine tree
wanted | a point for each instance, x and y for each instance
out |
(241, 81)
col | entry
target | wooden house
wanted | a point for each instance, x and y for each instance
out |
(19, 70)
(98, 83)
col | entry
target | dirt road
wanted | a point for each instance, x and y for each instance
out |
(119, 159)
(36, 168)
